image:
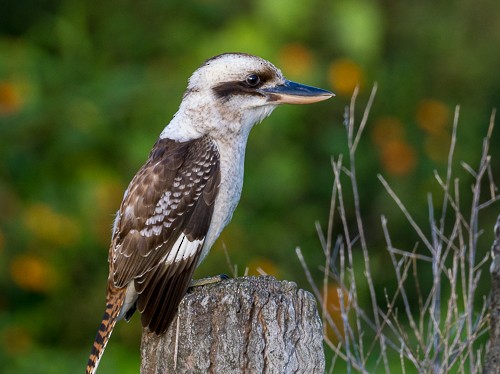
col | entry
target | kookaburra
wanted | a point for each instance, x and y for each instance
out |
(180, 200)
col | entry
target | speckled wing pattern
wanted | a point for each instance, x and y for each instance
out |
(158, 235)
(161, 226)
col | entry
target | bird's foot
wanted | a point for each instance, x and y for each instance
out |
(204, 281)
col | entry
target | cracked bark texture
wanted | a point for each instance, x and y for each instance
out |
(242, 325)
(492, 363)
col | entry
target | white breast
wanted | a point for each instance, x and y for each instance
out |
(232, 157)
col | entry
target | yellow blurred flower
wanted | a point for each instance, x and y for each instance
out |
(32, 273)
(345, 75)
(433, 116)
(296, 60)
(398, 157)
(263, 265)
(50, 227)
(332, 298)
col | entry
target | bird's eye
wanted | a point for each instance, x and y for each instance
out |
(252, 80)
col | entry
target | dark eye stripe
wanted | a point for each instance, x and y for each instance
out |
(225, 90)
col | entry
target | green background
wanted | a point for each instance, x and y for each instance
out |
(86, 87)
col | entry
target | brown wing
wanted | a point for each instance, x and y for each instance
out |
(161, 226)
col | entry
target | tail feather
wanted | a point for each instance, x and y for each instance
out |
(109, 319)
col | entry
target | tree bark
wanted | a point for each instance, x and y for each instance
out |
(492, 363)
(242, 325)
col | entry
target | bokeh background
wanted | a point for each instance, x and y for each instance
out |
(86, 87)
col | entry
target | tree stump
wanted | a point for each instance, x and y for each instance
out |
(242, 325)
(492, 363)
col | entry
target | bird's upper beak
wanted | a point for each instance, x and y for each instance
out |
(295, 93)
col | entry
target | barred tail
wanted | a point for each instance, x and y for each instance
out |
(109, 319)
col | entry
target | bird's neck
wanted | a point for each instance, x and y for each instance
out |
(181, 128)
(199, 116)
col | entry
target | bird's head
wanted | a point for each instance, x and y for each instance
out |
(237, 90)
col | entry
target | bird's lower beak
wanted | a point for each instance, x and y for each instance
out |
(295, 93)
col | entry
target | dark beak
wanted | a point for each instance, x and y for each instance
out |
(295, 93)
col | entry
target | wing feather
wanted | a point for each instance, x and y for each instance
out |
(162, 223)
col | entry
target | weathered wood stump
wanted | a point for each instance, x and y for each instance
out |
(242, 325)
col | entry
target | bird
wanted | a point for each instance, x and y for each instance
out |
(180, 200)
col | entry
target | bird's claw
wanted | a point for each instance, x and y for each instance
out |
(205, 281)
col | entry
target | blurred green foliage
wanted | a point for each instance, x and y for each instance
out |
(86, 87)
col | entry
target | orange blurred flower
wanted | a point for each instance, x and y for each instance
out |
(296, 60)
(333, 298)
(433, 116)
(345, 75)
(10, 98)
(387, 129)
(16, 340)
(398, 157)
(32, 273)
